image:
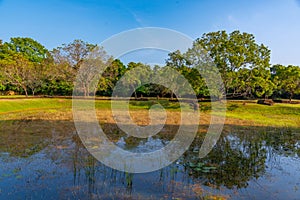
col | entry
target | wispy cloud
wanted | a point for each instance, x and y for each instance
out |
(137, 18)
(232, 20)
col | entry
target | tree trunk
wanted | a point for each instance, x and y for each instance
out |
(134, 91)
(84, 89)
(135, 95)
(88, 91)
(25, 90)
(291, 96)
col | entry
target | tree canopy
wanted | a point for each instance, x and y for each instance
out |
(27, 67)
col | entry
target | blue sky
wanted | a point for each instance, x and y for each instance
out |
(276, 23)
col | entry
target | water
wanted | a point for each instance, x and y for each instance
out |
(53, 164)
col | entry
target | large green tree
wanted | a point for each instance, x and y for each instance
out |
(28, 47)
(22, 62)
(232, 52)
(17, 71)
(287, 79)
(134, 79)
(110, 77)
(182, 63)
(68, 58)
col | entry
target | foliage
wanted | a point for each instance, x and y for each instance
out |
(27, 67)
(287, 79)
(29, 48)
(90, 69)
(72, 53)
(233, 52)
(110, 77)
(136, 75)
(23, 64)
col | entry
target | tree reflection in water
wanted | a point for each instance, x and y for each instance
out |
(239, 159)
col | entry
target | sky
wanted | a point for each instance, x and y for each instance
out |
(275, 23)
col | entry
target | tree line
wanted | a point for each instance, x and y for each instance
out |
(27, 67)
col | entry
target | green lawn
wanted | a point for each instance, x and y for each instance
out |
(22, 105)
(283, 115)
(277, 115)
(12, 96)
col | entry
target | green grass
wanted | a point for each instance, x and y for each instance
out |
(21, 105)
(283, 115)
(12, 96)
(287, 115)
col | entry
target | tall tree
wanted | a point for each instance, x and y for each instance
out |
(68, 58)
(90, 70)
(262, 85)
(182, 64)
(231, 52)
(29, 48)
(110, 77)
(17, 71)
(136, 75)
(287, 79)
(22, 62)
(72, 53)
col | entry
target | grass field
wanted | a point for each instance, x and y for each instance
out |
(278, 115)
(35, 119)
